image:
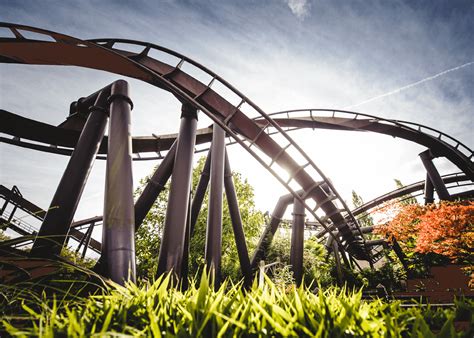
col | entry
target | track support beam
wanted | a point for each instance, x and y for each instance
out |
(237, 226)
(434, 176)
(337, 258)
(187, 243)
(53, 232)
(401, 256)
(429, 190)
(270, 230)
(297, 240)
(118, 232)
(156, 184)
(214, 220)
(174, 233)
(200, 192)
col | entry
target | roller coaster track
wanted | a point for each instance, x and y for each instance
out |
(416, 189)
(28, 232)
(455, 180)
(59, 140)
(62, 141)
(279, 158)
(441, 144)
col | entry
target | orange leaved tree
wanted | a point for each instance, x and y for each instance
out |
(446, 228)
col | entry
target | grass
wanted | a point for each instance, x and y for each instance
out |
(160, 309)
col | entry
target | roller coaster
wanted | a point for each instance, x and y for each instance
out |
(236, 120)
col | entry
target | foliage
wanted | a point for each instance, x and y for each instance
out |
(389, 275)
(69, 253)
(3, 236)
(149, 235)
(364, 219)
(444, 229)
(317, 266)
(26, 284)
(159, 309)
(73, 256)
(406, 199)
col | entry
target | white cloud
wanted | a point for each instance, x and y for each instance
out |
(300, 8)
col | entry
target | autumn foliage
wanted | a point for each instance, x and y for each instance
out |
(445, 228)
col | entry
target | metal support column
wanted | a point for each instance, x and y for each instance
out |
(187, 239)
(337, 258)
(156, 184)
(434, 176)
(214, 220)
(237, 226)
(345, 257)
(53, 232)
(269, 231)
(429, 190)
(82, 241)
(4, 207)
(88, 240)
(118, 232)
(172, 242)
(399, 252)
(200, 192)
(297, 240)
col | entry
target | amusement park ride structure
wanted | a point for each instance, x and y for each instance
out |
(264, 136)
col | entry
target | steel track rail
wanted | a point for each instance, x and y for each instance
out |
(293, 123)
(99, 54)
(206, 97)
(440, 143)
(59, 142)
(454, 180)
(451, 181)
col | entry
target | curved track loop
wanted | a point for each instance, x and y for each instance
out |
(441, 144)
(451, 181)
(329, 209)
(61, 141)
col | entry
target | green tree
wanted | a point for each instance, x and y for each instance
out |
(317, 266)
(149, 235)
(4, 236)
(405, 199)
(364, 219)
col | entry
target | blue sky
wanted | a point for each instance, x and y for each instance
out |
(281, 54)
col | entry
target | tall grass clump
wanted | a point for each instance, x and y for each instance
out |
(160, 309)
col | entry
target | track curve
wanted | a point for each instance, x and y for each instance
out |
(441, 144)
(451, 181)
(59, 49)
(62, 141)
